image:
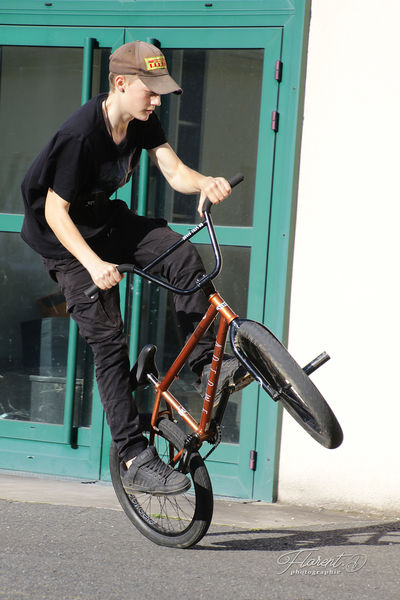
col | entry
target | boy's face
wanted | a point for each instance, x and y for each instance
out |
(138, 100)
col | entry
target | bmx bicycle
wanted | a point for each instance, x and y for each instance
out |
(181, 521)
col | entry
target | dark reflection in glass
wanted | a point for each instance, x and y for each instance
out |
(52, 78)
(213, 127)
(34, 328)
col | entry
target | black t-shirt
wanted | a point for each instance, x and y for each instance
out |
(84, 166)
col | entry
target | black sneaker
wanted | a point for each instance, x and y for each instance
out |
(233, 377)
(148, 473)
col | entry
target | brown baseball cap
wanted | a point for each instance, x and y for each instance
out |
(146, 61)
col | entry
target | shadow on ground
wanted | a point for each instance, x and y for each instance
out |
(273, 540)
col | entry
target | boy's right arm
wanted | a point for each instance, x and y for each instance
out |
(105, 275)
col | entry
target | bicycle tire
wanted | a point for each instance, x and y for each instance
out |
(297, 393)
(175, 521)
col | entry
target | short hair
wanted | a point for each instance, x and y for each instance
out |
(112, 76)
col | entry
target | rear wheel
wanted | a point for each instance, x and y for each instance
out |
(296, 391)
(176, 521)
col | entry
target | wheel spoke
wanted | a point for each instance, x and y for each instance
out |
(165, 513)
(171, 514)
(175, 521)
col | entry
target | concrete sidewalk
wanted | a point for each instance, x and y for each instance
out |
(227, 512)
(69, 540)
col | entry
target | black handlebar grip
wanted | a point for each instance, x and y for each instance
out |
(92, 290)
(234, 180)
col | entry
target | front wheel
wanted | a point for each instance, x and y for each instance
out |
(176, 521)
(295, 390)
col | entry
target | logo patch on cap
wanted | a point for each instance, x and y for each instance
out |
(155, 62)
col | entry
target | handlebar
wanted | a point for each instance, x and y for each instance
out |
(207, 222)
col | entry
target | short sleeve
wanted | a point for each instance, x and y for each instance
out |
(65, 168)
(152, 133)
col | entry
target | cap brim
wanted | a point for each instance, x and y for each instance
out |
(161, 84)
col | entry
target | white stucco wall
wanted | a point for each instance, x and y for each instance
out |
(346, 289)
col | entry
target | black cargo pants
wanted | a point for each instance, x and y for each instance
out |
(138, 240)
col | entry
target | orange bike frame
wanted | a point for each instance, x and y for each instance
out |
(217, 306)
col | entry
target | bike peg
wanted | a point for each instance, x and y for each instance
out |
(316, 363)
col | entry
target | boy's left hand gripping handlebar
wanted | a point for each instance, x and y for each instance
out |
(93, 288)
(234, 180)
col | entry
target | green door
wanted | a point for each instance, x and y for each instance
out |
(220, 125)
(50, 418)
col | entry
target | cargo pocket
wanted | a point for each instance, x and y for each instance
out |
(98, 318)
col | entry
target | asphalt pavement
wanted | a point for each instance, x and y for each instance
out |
(69, 540)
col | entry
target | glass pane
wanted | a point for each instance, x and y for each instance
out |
(33, 325)
(213, 127)
(40, 87)
(160, 327)
(34, 330)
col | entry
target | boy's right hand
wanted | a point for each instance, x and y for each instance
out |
(104, 274)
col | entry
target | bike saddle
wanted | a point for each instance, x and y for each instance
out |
(145, 364)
